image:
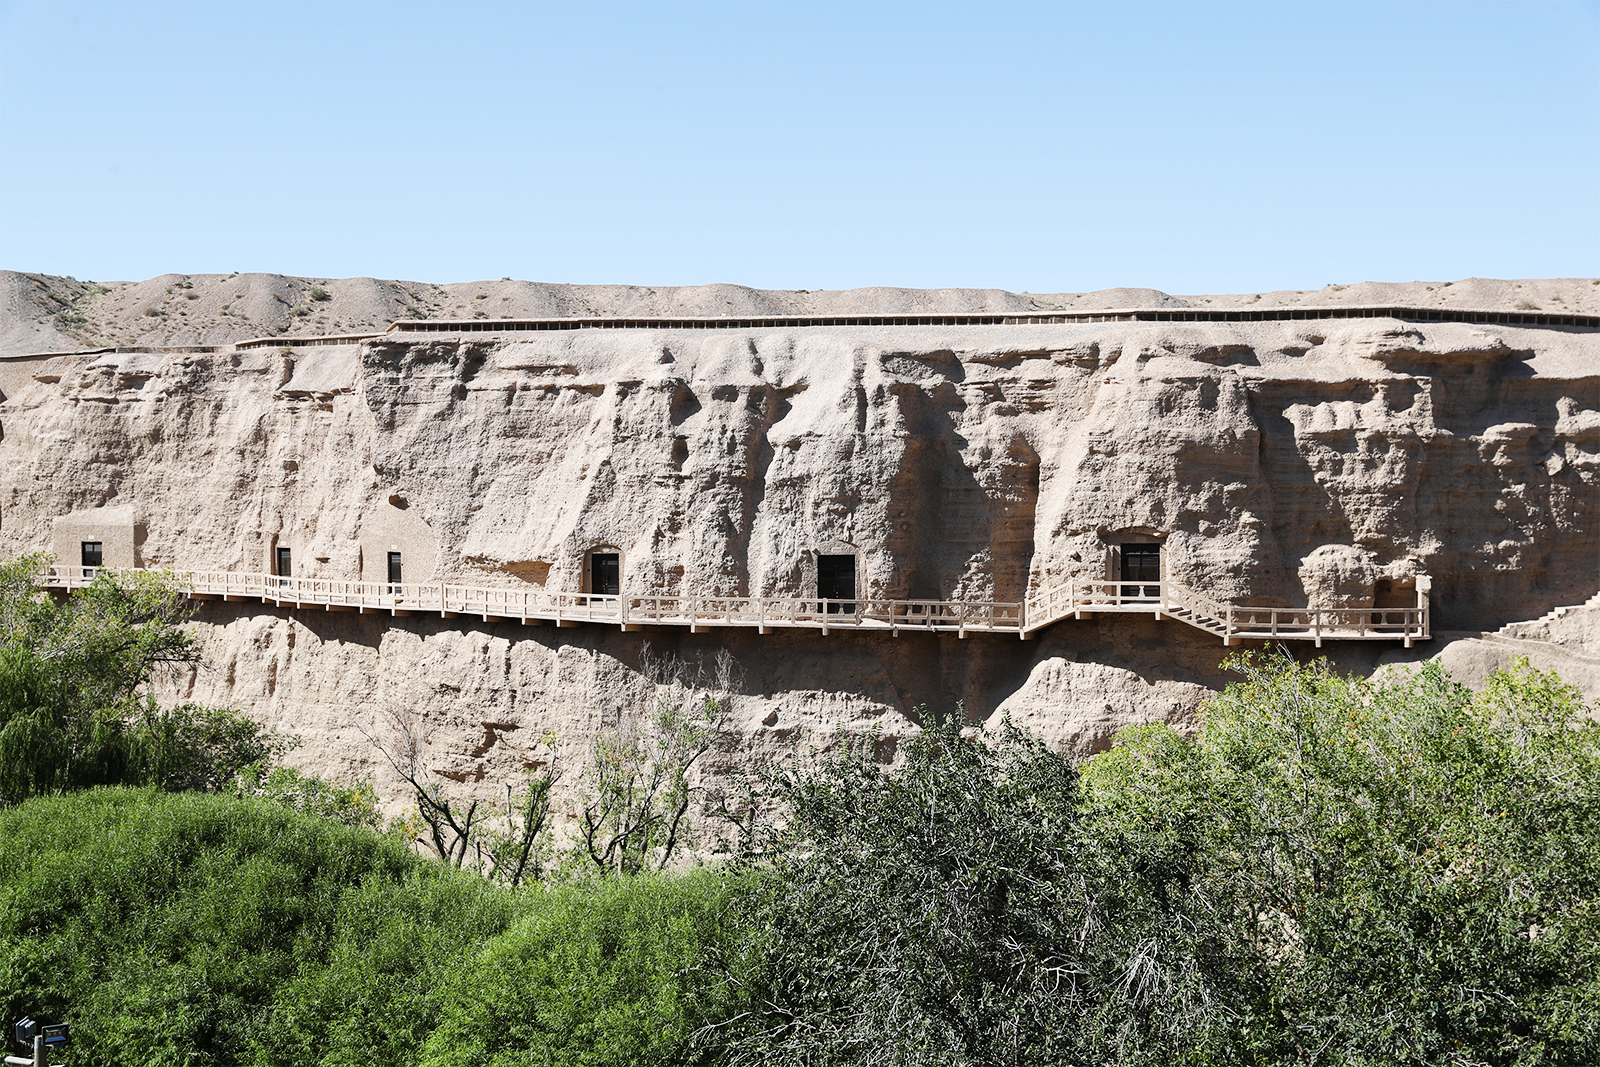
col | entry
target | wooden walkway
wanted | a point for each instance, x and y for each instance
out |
(1231, 622)
(1072, 599)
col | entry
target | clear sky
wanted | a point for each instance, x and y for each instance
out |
(1188, 147)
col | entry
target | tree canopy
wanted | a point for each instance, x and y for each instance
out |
(1332, 870)
(74, 708)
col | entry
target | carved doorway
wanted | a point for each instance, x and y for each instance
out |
(605, 573)
(836, 584)
(1141, 563)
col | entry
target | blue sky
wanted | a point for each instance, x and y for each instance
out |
(1188, 147)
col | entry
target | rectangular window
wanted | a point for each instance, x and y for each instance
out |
(836, 583)
(1141, 563)
(605, 574)
(394, 568)
(92, 554)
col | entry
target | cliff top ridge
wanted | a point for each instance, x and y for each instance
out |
(40, 312)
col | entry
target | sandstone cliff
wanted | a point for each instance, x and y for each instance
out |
(1275, 463)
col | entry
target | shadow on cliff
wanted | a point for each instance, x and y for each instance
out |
(941, 516)
(766, 406)
(336, 627)
(1304, 511)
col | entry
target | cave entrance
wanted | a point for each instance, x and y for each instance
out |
(1389, 593)
(285, 565)
(836, 584)
(394, 571)
(91, 556)
(1141, 563)
(605, 573)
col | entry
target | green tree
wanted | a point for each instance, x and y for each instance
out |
(1396, 870)
(463, 832)
(1333, 870)
(597, 972)
(73, 711)
(215, 929)
(191, 927)
(636, 805)
(518, 853)
(932, 914)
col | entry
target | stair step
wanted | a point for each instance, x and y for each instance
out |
(1552, 615)
(1254, 629)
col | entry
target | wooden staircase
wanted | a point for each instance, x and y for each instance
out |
(1231, 622)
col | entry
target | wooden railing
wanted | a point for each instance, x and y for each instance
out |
(1073, 598)
(1076, 596)
(628, 611)
(1059, 316)
(1320, 624)
(1402, 312)
(1228, 621)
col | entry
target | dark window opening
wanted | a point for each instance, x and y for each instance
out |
(605, 574)
(836, 584)
(92, 555)
(394, 568)
(1141, 563)
(285, 566)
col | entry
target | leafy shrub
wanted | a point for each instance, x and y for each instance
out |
(214, 929)
(1359, 872)
(1402, 871)
(163, 924)
(195, 746)
(931, 915)
(71, 714)
(597, 972)
(355, 805)
(377, 994)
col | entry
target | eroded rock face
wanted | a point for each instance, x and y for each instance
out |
(1275, 463)
(1339, 576)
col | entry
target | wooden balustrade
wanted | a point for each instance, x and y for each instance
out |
(1073, 598)
(1231, 622)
